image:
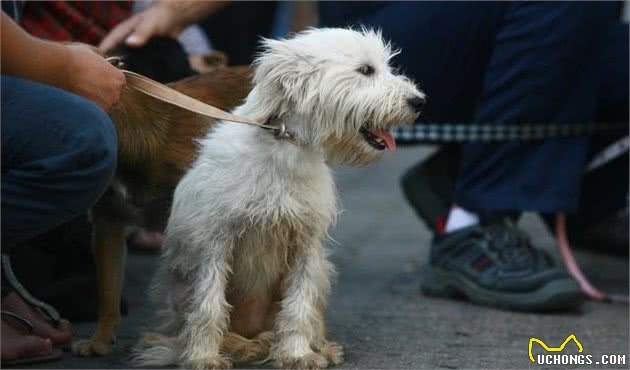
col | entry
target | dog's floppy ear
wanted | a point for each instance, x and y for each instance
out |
(280, 68)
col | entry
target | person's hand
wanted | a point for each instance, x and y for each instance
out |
(160, 19)
(74, 67)
(91, 76)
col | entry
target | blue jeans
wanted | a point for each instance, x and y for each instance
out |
(509, 62)
(58, 156)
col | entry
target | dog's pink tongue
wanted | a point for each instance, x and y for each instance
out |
(390, 143)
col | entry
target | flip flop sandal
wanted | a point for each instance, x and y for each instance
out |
(11, 284)
(52, 356)
(45, 309)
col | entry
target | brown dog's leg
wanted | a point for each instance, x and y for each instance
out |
(109, 255)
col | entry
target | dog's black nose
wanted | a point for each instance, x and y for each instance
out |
(416, 103)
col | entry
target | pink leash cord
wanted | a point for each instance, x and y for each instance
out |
(574, 269)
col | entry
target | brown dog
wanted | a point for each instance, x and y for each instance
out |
(156, 144)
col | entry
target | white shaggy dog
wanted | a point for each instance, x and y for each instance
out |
(245, 275)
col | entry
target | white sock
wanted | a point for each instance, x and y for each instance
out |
(459, 218)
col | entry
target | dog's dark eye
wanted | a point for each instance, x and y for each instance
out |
(366, 70)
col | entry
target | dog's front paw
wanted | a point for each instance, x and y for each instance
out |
(214, 362)
(248, 350)
(92, 347)
(333, 352)
(311, 360)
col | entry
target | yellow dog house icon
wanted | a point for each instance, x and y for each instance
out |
(553, 349)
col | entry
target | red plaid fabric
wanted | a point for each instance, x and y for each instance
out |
(84, 21)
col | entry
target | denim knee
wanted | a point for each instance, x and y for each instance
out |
(95, 151)
(58, 157)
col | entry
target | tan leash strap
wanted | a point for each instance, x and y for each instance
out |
(172, 96)
(169, 95)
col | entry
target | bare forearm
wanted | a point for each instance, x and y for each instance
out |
(30, 58)
(73, 67)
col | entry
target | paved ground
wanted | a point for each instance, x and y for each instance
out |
(377, 312)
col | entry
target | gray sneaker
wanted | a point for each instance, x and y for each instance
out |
(497, 266)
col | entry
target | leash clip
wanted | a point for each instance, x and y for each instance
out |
(281, 133)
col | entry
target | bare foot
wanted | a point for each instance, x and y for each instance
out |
(17, 345)
(41, 327)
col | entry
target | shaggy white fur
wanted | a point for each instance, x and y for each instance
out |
(252, 214)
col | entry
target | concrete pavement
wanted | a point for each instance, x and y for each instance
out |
(376, 310)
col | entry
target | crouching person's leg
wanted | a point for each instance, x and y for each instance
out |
(58, 156)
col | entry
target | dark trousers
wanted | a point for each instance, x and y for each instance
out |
(58, 156)
(510, 62)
